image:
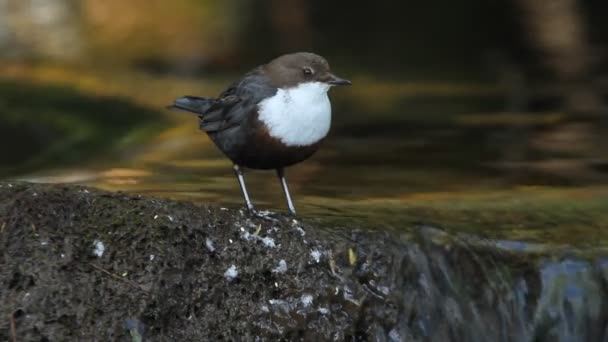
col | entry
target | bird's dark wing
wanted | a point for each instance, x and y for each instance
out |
(236, 103)
(232, 107)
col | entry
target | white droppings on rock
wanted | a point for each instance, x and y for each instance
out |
(209, 245)
(152, 257)
(247, 236)
(231, 273)
(306, 300)
(315, 255)
(268, 242)
(281, 268)
(323, 311)
(384, 289)
(276, 302)
(99, 248)
(394, 335)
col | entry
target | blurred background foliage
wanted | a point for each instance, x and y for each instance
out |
(455, 106)
(563, 38)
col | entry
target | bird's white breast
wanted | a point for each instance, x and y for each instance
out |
(298, 116)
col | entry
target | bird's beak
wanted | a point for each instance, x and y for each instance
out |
(336, 81)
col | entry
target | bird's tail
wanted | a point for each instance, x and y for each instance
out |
(198, 105)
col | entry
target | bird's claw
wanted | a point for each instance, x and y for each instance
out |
(262, 214)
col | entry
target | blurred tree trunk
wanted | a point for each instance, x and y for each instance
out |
(40, 28)
(557, 29)
(291, 23)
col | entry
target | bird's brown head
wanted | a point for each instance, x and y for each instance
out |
(293, 69)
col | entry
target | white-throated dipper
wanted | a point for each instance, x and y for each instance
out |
(275, 116)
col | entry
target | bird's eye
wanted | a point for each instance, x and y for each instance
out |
(307, 71)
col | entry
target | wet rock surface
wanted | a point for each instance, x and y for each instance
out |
(81, 264)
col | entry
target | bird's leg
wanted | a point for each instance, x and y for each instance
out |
(281, 174)
(239, 175)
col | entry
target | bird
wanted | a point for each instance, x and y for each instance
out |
(275, 116)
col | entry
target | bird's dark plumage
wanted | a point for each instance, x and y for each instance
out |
(232, 106)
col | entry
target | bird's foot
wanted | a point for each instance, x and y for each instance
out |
(263, 214)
